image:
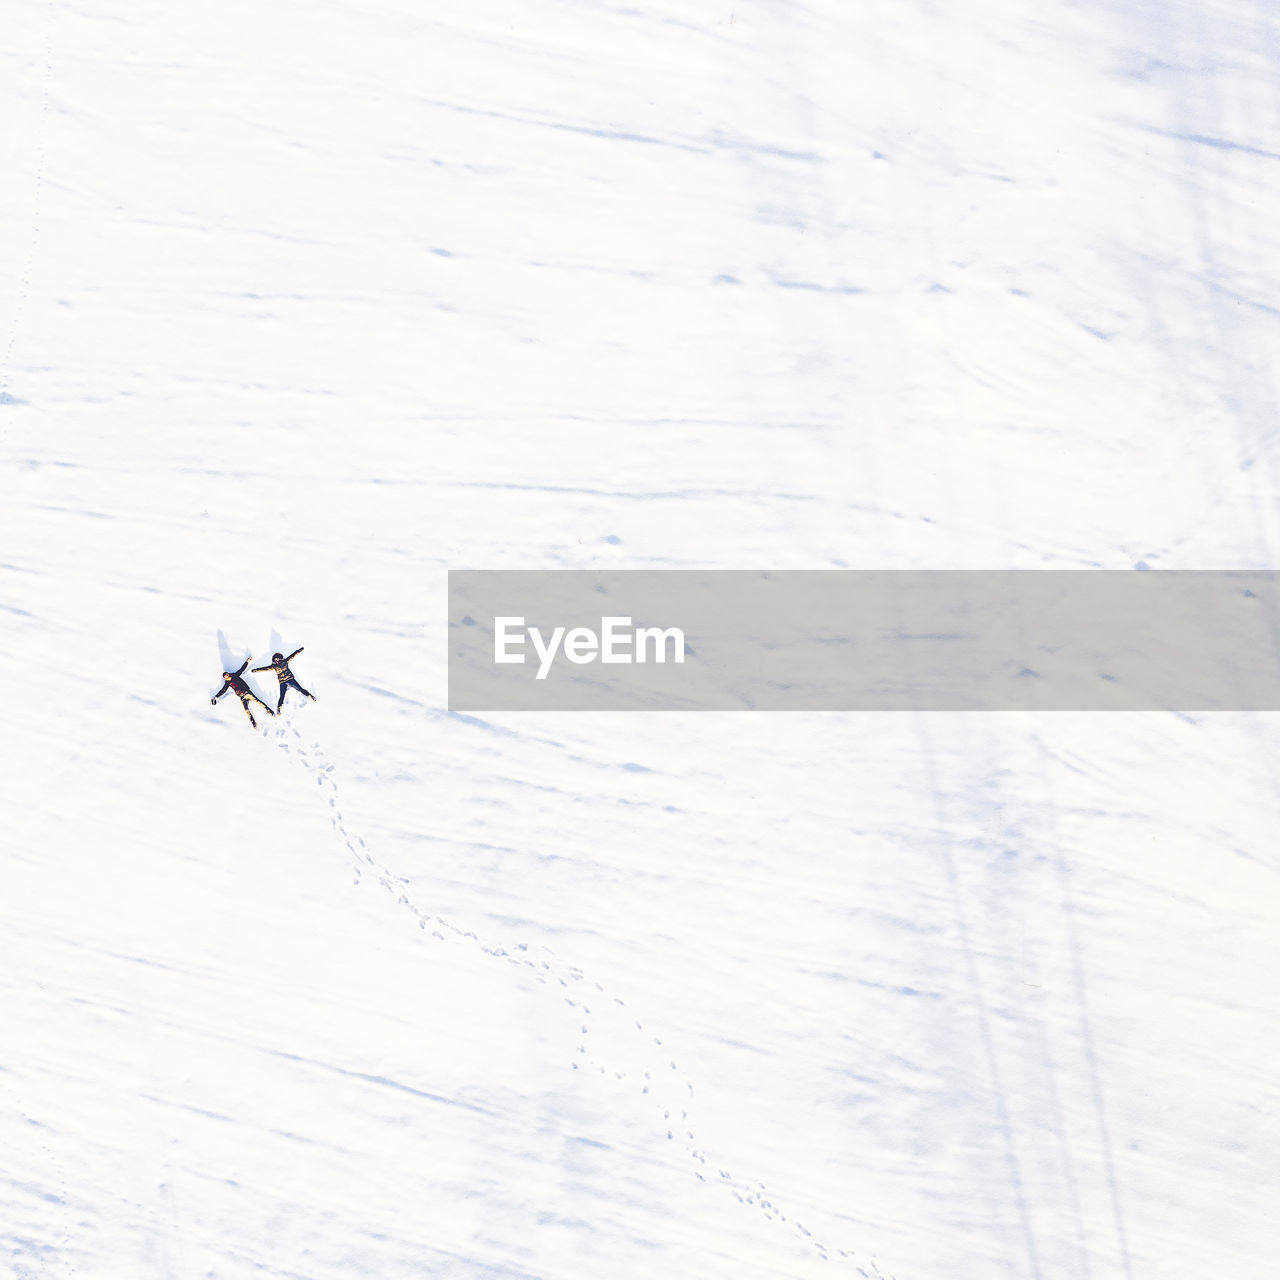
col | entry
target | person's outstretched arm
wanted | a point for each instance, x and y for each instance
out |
(226, 684)
(241, 667)
(295, 653)
(256, 669)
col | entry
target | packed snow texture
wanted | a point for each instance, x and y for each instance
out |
(303, 305)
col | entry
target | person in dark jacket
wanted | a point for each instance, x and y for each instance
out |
(232, 680)
(280, 665)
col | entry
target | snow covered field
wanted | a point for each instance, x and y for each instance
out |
(302, 306)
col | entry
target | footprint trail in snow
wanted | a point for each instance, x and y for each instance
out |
(662, 1083)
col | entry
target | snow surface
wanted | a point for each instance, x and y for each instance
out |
(303, 305)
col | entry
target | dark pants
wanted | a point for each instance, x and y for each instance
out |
(290, 684)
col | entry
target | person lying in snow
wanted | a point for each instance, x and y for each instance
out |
(280, 665)
(231, 680)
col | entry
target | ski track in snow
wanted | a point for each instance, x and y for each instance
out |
(553, 973)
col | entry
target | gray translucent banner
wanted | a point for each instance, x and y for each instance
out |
(938, 640)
